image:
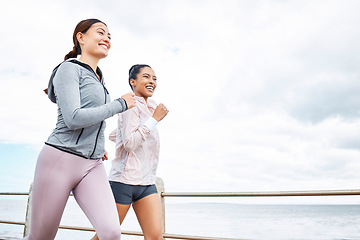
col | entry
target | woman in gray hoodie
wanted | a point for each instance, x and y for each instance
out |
(71, 160)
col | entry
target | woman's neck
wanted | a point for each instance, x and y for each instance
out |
(91, 61)
(139, 95)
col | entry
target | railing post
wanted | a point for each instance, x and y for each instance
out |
(161, 189)
(28, 213)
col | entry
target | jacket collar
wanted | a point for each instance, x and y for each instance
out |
(150, 102)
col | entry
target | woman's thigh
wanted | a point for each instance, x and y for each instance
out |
(94, 196)
(148, 213)
(122, 211)
(53, 182)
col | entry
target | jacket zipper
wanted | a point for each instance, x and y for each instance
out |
(105, 91)
(97, 136)
(77, 141)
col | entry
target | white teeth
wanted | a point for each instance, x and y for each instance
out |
(104, 46)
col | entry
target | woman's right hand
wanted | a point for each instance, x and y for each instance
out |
(160, 112)
(129, 99)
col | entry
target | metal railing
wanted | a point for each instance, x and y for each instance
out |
(163, 194)
(266, 194)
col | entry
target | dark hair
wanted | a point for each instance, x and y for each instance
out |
(134, 71)
(82, 27)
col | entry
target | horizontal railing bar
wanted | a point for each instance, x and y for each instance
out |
(74, 228)
(12, 222)
(89, 229)
(18, 193)
(125, 232)
(264, 194)
(175, 236)
(14, 193)
(246, 194)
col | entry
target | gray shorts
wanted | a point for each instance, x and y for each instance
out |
(127, 194)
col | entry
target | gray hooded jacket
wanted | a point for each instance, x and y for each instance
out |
(83, 104)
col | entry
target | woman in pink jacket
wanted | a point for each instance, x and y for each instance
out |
(133, 173)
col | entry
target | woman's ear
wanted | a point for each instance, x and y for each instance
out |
(132, 82)
(80, 37)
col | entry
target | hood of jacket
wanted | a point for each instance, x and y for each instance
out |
(50, 90)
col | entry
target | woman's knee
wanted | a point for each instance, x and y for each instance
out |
(110, 234)
(153, 236)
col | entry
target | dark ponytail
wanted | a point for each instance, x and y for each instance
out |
(82, 27)
(72, 54)
(134, 71)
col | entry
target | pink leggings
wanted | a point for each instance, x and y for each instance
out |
(57, 174)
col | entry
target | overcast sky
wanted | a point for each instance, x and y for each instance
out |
(263, 95)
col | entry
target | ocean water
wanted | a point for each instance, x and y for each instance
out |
(245, 221)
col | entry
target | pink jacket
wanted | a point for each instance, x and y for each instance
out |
(137, 145)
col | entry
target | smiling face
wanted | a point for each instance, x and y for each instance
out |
(96, 42)
(145, 83)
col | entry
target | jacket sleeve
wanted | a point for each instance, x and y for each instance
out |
(66, 85)
(132, 132)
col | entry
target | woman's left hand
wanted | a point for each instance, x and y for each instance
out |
(160, 112)
(105, 157)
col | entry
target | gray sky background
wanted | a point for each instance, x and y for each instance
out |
(263, 95)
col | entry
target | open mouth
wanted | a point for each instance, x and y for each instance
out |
(104, 46)
(150, 88)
